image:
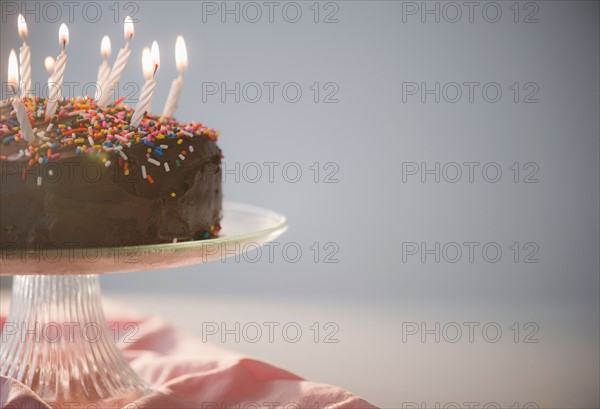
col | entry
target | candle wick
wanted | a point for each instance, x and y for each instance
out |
(155, 69)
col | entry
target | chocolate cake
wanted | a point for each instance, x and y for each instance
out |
(89, 179)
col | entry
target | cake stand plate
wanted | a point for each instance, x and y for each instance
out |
(56, 340)
(244, 228)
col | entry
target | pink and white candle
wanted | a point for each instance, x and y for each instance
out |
(59, 73)
(13, 81)
(181, 61)
(104, 69)
(24, 60)
(150, 63)
(115, 73)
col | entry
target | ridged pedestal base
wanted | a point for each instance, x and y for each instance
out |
(56, 341)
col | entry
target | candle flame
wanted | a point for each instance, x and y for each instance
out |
(155, 55)
(49, 64)
(63, 35)
(13, 70)
(147, 65)
(181, 57)
(22, 25)
(128, 28)
(105, 48)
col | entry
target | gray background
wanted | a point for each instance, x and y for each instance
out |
(369, 133)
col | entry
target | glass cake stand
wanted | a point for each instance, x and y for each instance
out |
(56, 340)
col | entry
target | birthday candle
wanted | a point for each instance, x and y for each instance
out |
(104, 69)
(155, 60)
(150, 63)
(24, 60)
(181, 61)
(13, 81)
(59, 73)
(49, 64)
(119, 65)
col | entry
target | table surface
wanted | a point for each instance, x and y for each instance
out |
(374, 349)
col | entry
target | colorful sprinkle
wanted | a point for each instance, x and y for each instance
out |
(104, 133)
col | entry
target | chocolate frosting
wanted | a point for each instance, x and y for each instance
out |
(77, 199)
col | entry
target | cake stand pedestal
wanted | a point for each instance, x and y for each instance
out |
(56, 340)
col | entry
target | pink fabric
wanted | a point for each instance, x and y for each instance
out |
(184, 372)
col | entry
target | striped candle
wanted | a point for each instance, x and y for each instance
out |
(59, 73)
(150, 63)
(24, 60)
(141, 107)
(104, 69)
(118, 67)
(181, 61)
(49, 64)
(20, 109)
